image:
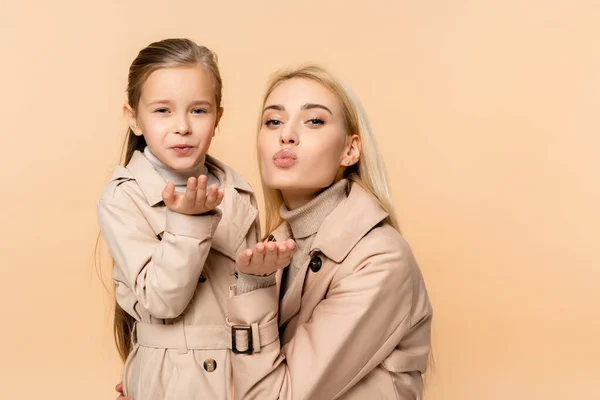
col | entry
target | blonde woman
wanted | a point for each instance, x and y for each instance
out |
(349, 317)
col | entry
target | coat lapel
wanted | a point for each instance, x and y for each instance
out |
(238, 217)
(238, 213)
(336, 237)
(289, 306)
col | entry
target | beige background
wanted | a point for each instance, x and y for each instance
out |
(487, 113)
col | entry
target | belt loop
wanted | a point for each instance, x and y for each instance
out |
(184, 349)
(256, 337)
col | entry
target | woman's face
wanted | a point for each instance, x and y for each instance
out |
(303, 143)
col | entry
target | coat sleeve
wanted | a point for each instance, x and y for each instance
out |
(161, 274)
(364, 316)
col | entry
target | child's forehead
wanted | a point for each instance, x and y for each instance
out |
(179, 83)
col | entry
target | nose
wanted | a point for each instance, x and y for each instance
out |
(288, 134)
(182, 126)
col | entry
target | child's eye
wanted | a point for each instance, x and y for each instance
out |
(273, 122)
(162, 110)
(198, 111)
(315, 121)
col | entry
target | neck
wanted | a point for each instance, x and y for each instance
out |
(305, 221)
(178, 177)
(294, 199)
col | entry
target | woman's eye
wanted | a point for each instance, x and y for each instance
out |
(198, 111)
(162, 110)
(315, 121)
(272, 122)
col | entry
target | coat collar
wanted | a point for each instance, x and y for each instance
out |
(152, 184)
(344, 227)
(336, 238)
(348, 224)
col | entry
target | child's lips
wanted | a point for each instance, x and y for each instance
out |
(182, 149)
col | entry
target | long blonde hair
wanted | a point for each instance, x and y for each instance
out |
(162, 54)
(369, 172)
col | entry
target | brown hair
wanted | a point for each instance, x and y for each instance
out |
(163, 54)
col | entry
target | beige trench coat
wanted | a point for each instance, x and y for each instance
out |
(172, 274)
(354, 324)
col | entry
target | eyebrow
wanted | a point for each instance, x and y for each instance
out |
(197, 102)
(277, 107)
(311, 106)
(307, 106)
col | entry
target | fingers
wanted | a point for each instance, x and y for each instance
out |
(211, 197)
(266, 258)
(168, 194)
(201, 191)
(208, 199)
(220, 196)
(270, 253)
(195, 200)
(291, 245)
(243, 259)
(191, 189)
(258, 257)
(119, 389)
(285, 251)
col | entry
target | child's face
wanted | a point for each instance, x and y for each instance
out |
(303, 141)
(177, 115)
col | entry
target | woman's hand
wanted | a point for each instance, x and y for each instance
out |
(266, 258)
(119, 389)
(195, 200)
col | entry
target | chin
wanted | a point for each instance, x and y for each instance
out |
(281, 179)
(183, 164)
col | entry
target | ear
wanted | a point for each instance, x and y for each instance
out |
(219, 115)
(353, 150)
(129, 115)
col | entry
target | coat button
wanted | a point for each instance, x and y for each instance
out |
(210, 365)
(315, 264)
(271, 238)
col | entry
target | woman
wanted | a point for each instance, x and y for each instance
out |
(349, 317)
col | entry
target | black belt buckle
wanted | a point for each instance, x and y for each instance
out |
(236, 328)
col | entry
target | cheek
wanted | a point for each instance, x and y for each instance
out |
(327, 150)
(142, 123)
(264, 145)
(203, 126)
(151, 125)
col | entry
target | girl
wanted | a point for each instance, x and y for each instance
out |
(174, 242)
(350, 317)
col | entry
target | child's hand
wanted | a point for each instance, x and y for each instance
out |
(195, 200)
(266, 258)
